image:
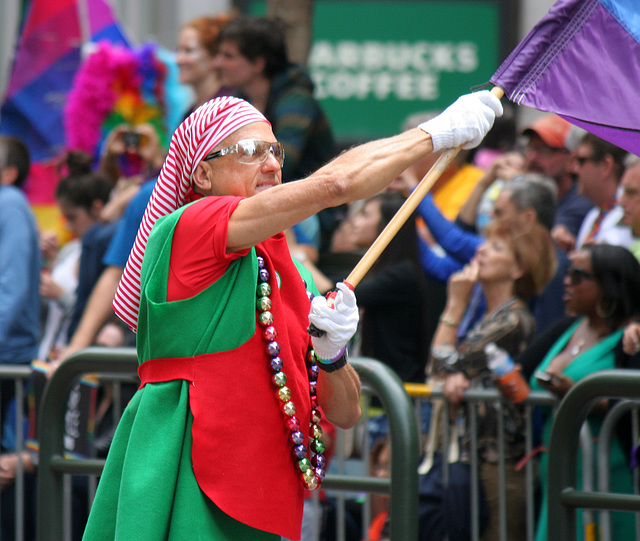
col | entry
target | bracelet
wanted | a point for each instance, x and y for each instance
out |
(334, 364)
(450, 322)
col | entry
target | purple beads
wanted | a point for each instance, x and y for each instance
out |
(276, 364)
(263, 275)
(273, 348)
(299, 451)
(313, 372)
(312, 468)
(318, 461)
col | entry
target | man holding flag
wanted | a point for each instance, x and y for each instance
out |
(181, 445)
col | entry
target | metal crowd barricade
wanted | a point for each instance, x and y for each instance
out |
(564, 499)
(378, 378)
(403, 483)
(585, 438)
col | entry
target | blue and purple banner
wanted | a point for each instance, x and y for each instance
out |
(46, 60)
(582, 62)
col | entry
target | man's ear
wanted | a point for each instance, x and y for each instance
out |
(201, 179)
(259, 64)
(609, 163)
(96, 207)
(531, 216)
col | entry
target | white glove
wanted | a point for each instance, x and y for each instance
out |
(465, 122)
(338, 323)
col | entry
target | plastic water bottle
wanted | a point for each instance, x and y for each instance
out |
(510, 380)
(498, 360)
(485, 206)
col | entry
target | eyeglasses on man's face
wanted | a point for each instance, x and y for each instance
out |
(576, 275)
(251, 151)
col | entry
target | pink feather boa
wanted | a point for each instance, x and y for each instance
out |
(113, 77)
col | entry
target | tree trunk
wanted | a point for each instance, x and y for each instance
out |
(298, 15)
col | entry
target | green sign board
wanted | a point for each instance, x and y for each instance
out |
(376, 62)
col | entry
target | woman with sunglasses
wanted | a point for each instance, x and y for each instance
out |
(602, 293)
(223, 435)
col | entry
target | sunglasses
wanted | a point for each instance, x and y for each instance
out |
(576, 275)
(251, 151)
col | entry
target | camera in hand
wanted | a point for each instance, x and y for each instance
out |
(131, 139)
(544, 377)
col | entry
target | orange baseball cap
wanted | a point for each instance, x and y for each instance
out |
(553, 130)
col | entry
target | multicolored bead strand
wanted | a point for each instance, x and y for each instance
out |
(312, 469)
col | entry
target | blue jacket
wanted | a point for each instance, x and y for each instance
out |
(20, 266)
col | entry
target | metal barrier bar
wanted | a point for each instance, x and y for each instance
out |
(19, 374)
(403, 485)
(475, 476)
(635, 436)
(586, 442)
(564, 499)
(529, 474)
(604, 451)
(502, 474)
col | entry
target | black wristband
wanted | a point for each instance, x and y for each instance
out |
(335, 365)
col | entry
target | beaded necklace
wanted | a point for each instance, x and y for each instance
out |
(494, 314)
(312, 469)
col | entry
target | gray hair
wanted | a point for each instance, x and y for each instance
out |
(630, 160)
(537, 192)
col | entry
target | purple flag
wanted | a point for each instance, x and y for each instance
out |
(582, 62)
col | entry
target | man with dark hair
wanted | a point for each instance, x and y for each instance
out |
(252, 57)
(599, 166)
(14, 158)
(19, 264)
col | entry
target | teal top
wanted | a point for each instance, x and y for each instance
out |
(599, 357)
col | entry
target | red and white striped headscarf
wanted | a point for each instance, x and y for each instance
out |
(196, 137)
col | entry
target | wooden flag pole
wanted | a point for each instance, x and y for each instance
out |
(407, 208)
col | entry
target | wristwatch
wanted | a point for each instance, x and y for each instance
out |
(446, 358)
